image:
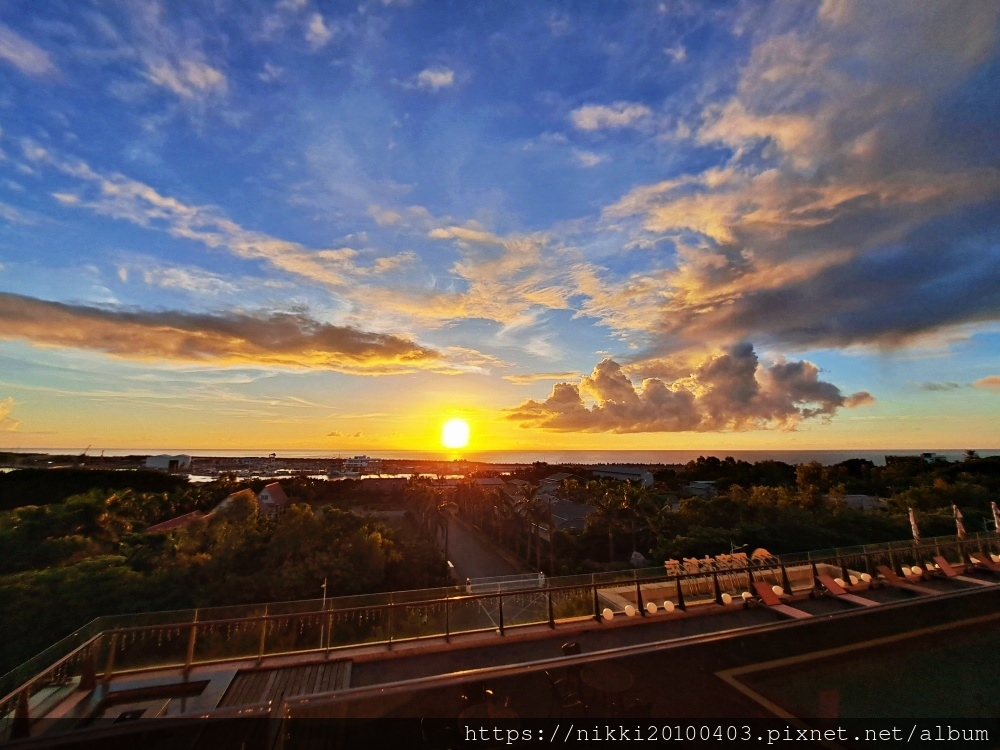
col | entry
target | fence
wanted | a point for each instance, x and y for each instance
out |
(185, 639)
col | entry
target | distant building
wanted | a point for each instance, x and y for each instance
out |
(272, 500)
(363, 464)
(489, 483)
(550, 484)
(164, 462)
(625, 474)
(570, 516)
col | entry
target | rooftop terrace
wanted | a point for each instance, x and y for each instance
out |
(850, 635)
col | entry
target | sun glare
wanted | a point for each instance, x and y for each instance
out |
(455, 433)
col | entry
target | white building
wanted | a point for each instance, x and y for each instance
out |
(625, 474)
(164, 462)
(363, 464)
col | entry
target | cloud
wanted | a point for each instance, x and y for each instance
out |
(335, 433)
(271, 73)
(435, 79)
(284, 340)
(22, 54)
(317, 32)
(119, 197)
(589, 159)
(990, 382)
(7, 422)
(188, 78)
(726, 391)
(534, 377)
(617, 115)
(849, 212)
(933, 387)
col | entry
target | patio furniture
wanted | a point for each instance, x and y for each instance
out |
(840, 592)
(769, 598)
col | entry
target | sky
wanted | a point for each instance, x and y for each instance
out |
(595, 225)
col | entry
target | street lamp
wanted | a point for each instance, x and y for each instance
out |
(732, 549)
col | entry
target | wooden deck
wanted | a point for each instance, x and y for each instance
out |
(253, 686)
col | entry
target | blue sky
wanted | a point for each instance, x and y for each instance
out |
(299, 224)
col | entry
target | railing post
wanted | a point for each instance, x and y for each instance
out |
(500, 597)
(22, 717)
(718, 589)
(680, 596)
(447, 618)
(110, 663)
(88, 674)
(263, 636)
(788, 584)
(638, 594)
(552, 619)
(391, 611)
(189, 658)
(597, 604)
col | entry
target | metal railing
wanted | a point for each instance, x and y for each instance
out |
(112, 646)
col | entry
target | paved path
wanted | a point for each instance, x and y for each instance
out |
(473, 555)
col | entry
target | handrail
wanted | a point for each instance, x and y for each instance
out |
(203, 619)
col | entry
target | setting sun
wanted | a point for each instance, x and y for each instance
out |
(455, 433)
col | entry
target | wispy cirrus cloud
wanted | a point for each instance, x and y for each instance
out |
(535, 377)
(26, 56)
(7, 422)
(731, 390)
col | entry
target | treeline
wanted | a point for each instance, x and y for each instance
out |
(46, 486)
(65, 563)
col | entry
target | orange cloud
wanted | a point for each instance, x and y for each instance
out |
(291, 340)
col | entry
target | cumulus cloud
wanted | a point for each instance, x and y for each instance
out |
(589, 158)
(617, 115)
(991, 382)
(7, 422)
(286, 339)
(435, 79)
(23, 55)
(727, 391)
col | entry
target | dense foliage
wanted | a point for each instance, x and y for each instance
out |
(65, 563)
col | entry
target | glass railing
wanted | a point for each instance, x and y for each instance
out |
(111, 646)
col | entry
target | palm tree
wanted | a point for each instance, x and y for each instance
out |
(606, 498)
(536, 513)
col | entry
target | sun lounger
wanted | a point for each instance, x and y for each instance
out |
(771, 600)
(838, 591)
(983, 560)
(948, 570)
(894, 580)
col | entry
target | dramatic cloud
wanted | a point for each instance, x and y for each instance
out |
(617, 115)
(839, 220)
(289, 340)
(22, 54)
(728, 391)
(435, 79)
(7, 422)
(991, 382)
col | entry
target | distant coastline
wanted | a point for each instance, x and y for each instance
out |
(579, 457)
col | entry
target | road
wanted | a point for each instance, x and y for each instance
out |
(473, 556)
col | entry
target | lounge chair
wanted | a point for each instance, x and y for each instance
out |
(771, 601)
(984, 561)
(894, 580)
(950, 572)
(838, 591)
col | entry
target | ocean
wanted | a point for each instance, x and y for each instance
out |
(580, 457)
